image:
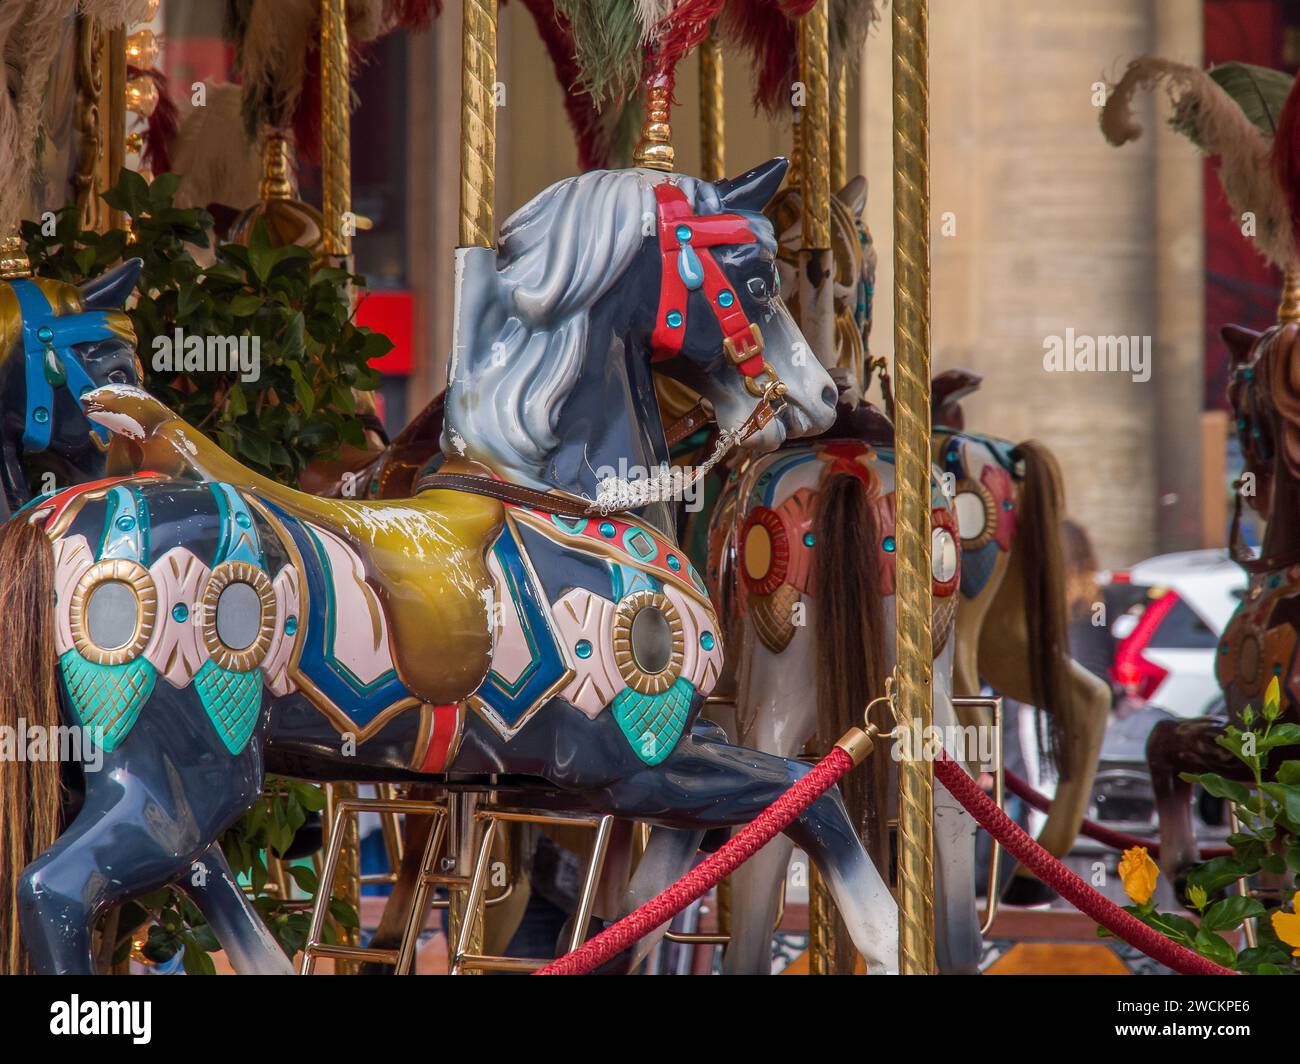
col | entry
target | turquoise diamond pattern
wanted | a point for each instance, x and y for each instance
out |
(107, 698)
(232, 700)
(652, 724)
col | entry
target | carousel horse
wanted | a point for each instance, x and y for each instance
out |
(781, 528)
(1260, 639)
(509, 625)
(59, 341)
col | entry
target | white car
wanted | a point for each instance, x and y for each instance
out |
(1169, 614)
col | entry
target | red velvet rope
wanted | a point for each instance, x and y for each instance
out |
(1063, 881)
(1118, 840)
(708, 873)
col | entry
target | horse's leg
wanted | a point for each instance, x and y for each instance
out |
(778, 717)
(126, 840)
(1176, 746)
(668, 856)
(710, 783)
(958, 943)
(1005, 655)
(248, 943)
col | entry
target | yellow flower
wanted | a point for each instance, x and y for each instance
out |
(1138, 873)
(1287, 926)
(1272, 700)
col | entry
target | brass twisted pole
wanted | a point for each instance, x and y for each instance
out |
(478, 123)
(336, 127)
(912, 427)
(816, 271)
(840, 128)
(815, 125)
(713, 146)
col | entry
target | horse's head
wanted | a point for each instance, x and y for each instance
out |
(853, 256)
(1264, 393)
(720, 324)
(596, 279)
(57, 342)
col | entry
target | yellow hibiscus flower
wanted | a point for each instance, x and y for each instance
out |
(1287, 926)
(1138, 873)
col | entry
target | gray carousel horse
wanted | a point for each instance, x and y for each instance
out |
(526, 620)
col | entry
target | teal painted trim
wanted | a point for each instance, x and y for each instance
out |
(232, 701)
(652, 724)
(107, 698)
(239, 540)
(121, 527)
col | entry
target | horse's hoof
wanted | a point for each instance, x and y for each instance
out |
(1022, 890)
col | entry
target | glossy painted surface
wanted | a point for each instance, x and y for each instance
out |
(423, 597)
(67, 340)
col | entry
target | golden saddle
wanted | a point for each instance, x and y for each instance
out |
(425, 557)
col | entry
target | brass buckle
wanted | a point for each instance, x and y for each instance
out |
(744, 354)
(773, 391)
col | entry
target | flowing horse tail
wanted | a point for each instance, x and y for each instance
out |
(29, 790)
(1038, 541)
(850, 627)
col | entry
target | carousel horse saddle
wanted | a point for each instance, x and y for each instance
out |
(408, 575)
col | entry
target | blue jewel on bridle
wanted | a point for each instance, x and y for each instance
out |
(50, 361)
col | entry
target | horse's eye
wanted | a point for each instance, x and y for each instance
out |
(119, 376)
(757, 288)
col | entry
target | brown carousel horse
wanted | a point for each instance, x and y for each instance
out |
(1260, 639)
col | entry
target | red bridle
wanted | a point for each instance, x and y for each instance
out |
(688, 264)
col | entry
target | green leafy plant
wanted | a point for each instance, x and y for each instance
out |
(302, 407)
(1265, 844)
(313, 357)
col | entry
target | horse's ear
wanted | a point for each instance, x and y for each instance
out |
(854, 196)
(110, 291)
(1239, 340)
(752, 189)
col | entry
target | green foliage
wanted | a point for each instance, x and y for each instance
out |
(301, 408)
(312, 355)
(173, 921)
(1267, 843)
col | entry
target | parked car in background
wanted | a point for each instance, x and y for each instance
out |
(1166, 616)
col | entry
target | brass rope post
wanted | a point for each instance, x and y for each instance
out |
(1288, 311)
(336, 128)
(713, 145)
(478, 124)
(816, 270)
(912, 424)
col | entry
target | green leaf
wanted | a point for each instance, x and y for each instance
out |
(1208, 944)
(1220, 787)
(1218, 872)
(306, 878)
(344, 914)
(1227, 915)
(1259, 91)
(195, 960)
(1286, 796)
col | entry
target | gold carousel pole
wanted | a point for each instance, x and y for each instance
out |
(478, 137)
(478, 124)
(816, 322)
(840, 128)
(336, 128)
(336, 201)
(912, 426)
(816, 287)
(713, 144)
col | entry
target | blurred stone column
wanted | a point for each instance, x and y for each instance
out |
(1179, 373)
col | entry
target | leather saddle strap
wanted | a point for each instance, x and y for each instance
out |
(696, 417)
(516, 494)
(1240, 553)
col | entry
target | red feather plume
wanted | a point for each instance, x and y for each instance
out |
(162, 125)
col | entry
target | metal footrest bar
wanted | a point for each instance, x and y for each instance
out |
(463, 959)
(403, 957)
